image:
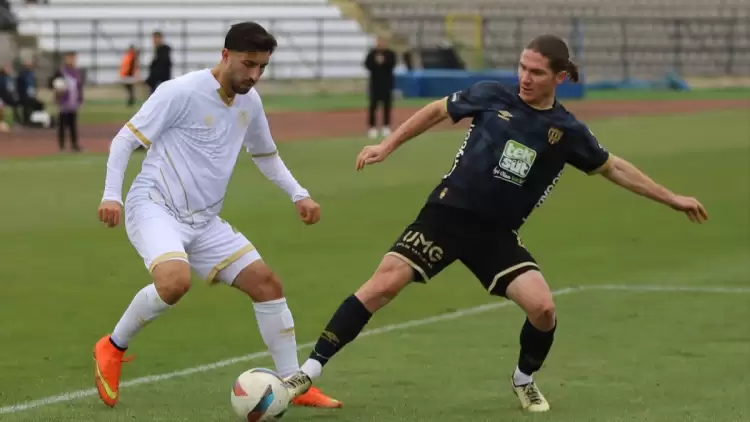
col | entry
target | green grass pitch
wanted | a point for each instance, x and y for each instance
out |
(620, 355)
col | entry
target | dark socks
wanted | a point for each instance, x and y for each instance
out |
(535, 345)
(345, 325)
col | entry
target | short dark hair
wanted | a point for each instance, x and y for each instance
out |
(249, 37)
(556, 51)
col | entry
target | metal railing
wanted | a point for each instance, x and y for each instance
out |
(100, 47)
(607, 46)
(624, 46)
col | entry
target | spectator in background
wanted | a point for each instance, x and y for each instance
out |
(129, 72)
(67, 83)
(161, 65)
(8, 95)
(4, 126)
(380, 62)
(26, 89)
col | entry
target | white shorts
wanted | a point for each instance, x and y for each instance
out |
(215, 250)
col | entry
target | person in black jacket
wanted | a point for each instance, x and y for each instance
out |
(161, 65)
(8, 94)
(380, 62)
(27, 91)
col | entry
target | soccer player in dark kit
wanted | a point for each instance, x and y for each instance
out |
(514, 153)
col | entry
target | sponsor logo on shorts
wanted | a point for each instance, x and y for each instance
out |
(422, 247)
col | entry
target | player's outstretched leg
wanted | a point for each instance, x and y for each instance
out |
(350, 319)
(531, 293)
(171, 282)
(276, 326)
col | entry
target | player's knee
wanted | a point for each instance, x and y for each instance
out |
(392, 277)
(542, 314)
(268, 287)
(259, 282)
(172, 280)
(389, 279)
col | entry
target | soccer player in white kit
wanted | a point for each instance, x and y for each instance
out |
(194, 127)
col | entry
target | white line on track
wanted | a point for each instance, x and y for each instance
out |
(79, 394)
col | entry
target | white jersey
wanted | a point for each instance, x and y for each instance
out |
(194, 134)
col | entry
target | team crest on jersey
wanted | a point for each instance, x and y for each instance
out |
(244, 119)
(554, 135)
(515, 163)
(209, 120)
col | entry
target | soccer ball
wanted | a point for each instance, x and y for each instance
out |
(259, 395)
(59, 84)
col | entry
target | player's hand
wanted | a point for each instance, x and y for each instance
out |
(109, 213)
(308, 210)
(691, 207)
(371, 154)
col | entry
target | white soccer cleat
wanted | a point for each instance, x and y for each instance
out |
(385, 132)
(372, 133)
(530, 397)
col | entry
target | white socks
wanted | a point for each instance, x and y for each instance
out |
(277, 329)
(312, 368)
(274, 321)
(146, 306)
(519, 378)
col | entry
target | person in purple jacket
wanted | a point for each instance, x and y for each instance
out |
(67, 83)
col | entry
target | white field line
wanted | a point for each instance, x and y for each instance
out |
(668, 289)
(74, 395)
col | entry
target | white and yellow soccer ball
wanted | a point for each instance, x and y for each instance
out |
(259, 395)
(59, 84)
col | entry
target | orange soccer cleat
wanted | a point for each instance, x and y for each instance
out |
(315, 398)
(107, 363)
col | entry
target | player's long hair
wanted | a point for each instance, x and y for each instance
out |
(556, 51)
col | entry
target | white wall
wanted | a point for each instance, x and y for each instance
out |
(314, 38)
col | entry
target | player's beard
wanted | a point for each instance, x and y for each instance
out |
(242, 89)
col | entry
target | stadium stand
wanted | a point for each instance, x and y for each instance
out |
(8, 21)
(612, 38)
(315, 39)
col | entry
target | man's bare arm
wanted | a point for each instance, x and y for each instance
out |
(421, 121)
(625, 174)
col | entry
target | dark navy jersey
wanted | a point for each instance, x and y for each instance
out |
(513, 155)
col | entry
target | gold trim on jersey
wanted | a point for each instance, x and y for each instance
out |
(179, 179)
(140, 136)
(211, 278)
(166, 185)
(224, 97)
(208, 207)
